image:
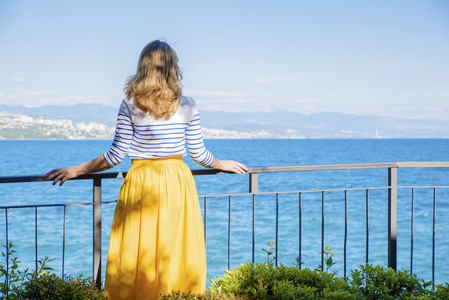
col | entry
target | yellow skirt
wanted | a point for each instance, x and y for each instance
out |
(157, 239)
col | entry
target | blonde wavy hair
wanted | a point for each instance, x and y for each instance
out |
(156, 86)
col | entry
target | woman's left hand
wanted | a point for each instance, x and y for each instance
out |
(230, 166)
(62, 175)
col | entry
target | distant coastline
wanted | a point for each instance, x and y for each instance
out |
(94, 121)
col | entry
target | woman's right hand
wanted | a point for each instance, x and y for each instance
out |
(62, 175)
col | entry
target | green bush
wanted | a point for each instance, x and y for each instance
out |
(40, 284)
(442, 291)
(381, 283)
(264, 281)
(13, 277)
(50, 286)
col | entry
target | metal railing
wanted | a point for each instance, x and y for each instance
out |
(392, 187)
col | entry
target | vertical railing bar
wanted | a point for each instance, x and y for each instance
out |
(346, 232)
(300, 230)
(254, 188)
(367, 226)
(205, 221)
(254, 227)
(63, 241)
(229, 234)
(96, 228)
(7, 250)
(277, 228)
(392, 217)
(433, 236)
(35, 235)
(322, 231)
(411, 231)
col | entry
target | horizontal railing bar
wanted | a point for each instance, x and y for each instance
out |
(103, 175)
(423, 164)
(46, 205)
(432, 164)
(299, 191)
(425, 187)
(106, 175)
(316, 191)
(110, 201)
(39, 178)
(56, 204)
(321, 167)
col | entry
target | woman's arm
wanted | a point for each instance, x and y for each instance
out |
(115, 155)
(198, 151)
(229, 165)
(63, 174)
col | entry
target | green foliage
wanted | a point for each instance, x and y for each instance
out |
(13, 276)
(328, 259)
(377, 282)
(441, 291)
(10, 275)
(298, 263)
(264, 281)
(248, 281)
(50, 286)
(40, 284)
(269, 250)
(206, 296)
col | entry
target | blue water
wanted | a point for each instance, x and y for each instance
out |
(38, 157)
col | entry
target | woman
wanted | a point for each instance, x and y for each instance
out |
(157, 240)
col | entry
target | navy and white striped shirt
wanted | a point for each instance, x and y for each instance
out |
(139, 135)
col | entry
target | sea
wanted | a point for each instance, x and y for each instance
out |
(36, 157)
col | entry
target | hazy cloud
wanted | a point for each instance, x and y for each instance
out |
(29, 94)
(215, 94)
(280, 79)
(230, 102)
(305, 101)
(52, 92)
(54, 97)
(19, 79)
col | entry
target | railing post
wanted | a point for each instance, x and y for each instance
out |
(97, 232)
(254, 188)
(392, 217)
(254, 182)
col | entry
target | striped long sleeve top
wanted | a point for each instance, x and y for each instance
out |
(139, 135)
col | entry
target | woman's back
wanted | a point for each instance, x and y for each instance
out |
(141, 136)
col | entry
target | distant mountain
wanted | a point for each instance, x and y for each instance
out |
(326, 125)
(280, 124)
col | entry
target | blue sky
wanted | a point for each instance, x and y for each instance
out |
(388, 58)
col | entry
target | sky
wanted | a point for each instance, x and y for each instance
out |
(383, 57)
